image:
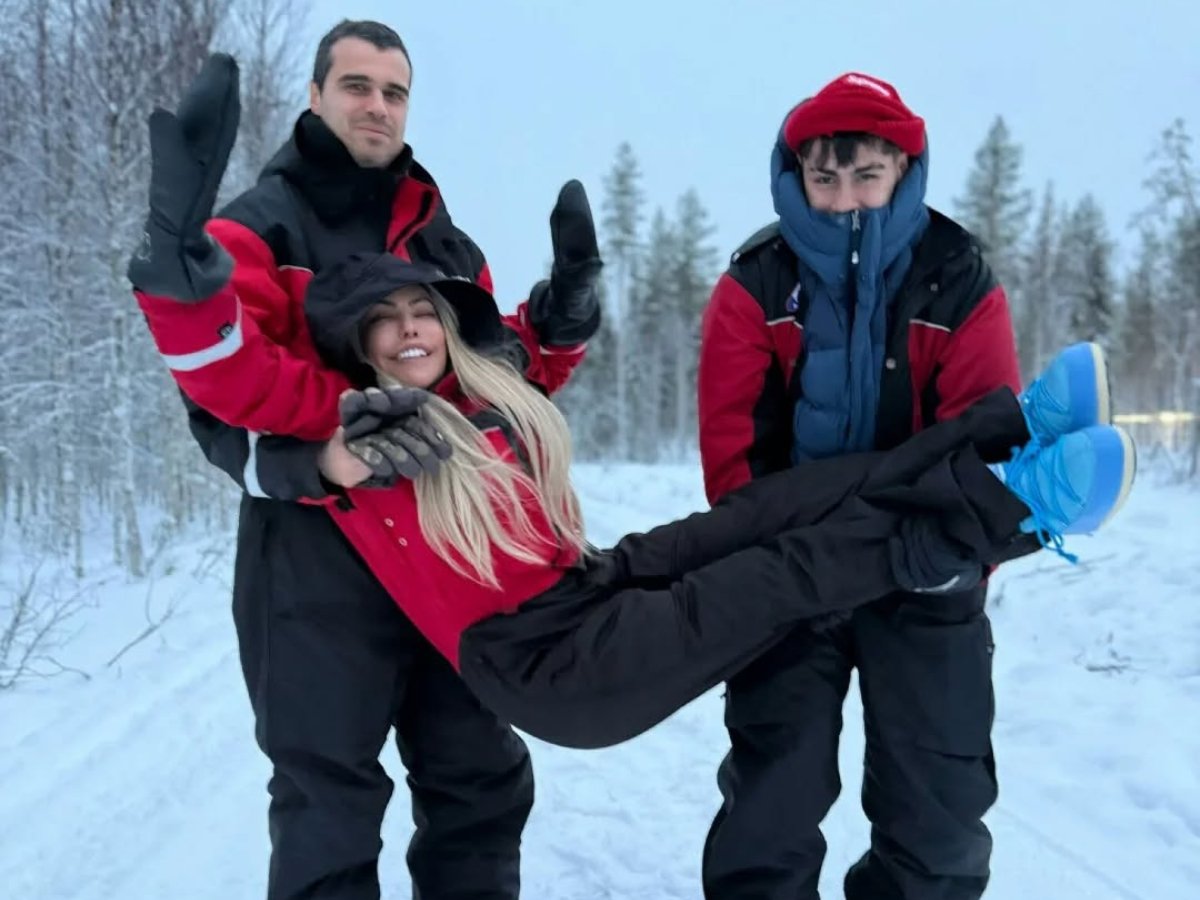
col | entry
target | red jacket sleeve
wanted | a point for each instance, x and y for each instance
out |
(980, 356)
(735, 355)
(549, 367)
(237, 353)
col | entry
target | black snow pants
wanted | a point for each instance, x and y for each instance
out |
(332, 666)
(614, 649)
(925, 675)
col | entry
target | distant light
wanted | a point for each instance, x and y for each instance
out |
(1163, 417)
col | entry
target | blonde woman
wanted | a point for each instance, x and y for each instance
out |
(487, 554)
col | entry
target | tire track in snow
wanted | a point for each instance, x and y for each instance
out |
(141, 774)
(1043, 842)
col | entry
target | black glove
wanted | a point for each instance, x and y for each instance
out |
(565, 309)
(372, 410)
(925, 561)
(189, 150)
(384, 429)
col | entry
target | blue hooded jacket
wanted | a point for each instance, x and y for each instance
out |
(852, 266)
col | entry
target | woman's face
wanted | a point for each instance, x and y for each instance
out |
(405, 338)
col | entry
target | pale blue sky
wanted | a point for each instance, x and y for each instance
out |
(512, 97)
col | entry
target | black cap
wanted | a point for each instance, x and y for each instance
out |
(340, 296)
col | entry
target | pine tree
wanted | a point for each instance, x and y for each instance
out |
(995, 207)
(1136, 356)
(1086, 270)
(1175, 212)
(622, 215)
(649, 329)
(694, 275)
(1039, 304)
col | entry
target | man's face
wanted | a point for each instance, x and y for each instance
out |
(364, 100)
(867, 182)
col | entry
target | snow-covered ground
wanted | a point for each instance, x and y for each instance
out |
(143, 781)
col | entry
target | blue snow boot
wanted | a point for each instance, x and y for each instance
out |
(1074, 485)
(1070, 394)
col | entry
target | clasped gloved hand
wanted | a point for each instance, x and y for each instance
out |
(925, 561)
(383, 428)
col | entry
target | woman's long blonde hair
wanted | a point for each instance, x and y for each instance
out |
(476, 500)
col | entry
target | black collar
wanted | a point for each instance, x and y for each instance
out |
(318, 164)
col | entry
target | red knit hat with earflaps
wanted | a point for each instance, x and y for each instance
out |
(856, 102)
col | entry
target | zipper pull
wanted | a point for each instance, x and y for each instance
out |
(855, 227)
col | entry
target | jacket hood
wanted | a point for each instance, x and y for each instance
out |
(340, 296)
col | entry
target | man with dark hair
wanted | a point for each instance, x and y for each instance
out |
(375, 33)
(330, 662)
(858, 317)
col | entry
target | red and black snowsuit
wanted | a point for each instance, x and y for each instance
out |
(924, 671)
(330, 662)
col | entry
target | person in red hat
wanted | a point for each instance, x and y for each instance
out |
(857, 318)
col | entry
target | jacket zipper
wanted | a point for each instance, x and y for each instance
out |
(855, 240)
(855, 246)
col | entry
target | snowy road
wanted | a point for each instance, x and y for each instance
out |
(144, 782)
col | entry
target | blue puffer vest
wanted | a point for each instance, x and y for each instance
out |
(851, 265)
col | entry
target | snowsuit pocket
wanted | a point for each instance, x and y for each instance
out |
(927, 680)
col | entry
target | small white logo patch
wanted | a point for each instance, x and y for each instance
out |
(868, 83)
